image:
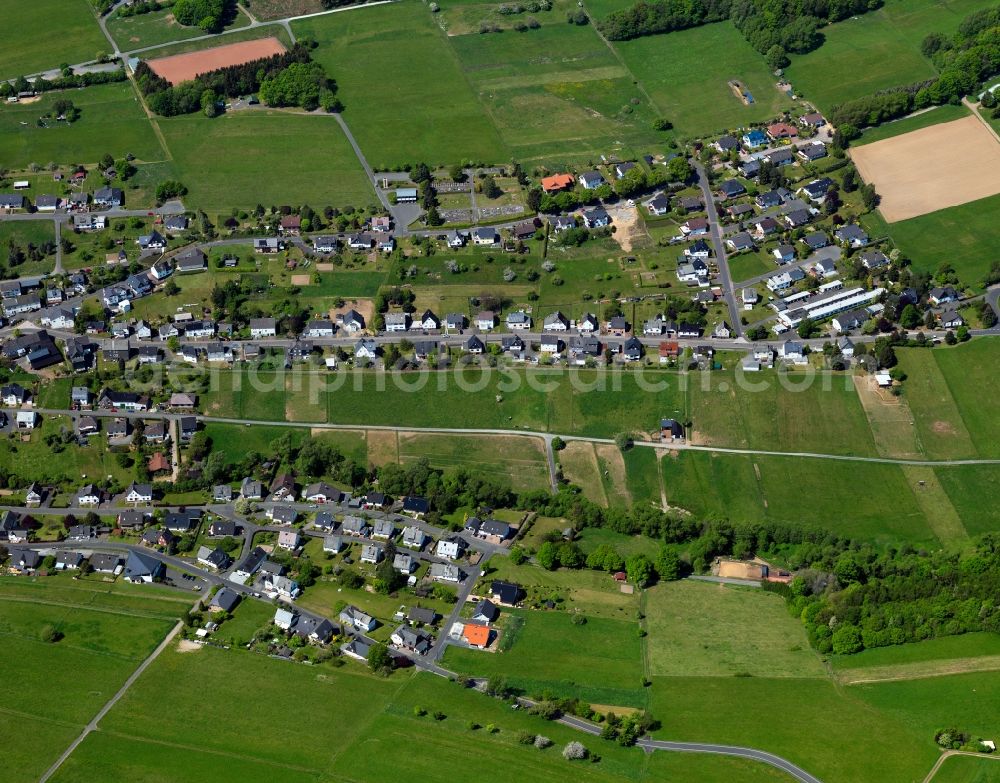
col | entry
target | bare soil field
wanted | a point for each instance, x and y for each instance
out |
(932, 168)
(182, 67)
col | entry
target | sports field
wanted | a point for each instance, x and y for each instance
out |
(111, 121)
(42, 35)
(183, 67)
(267, 157)
(960, 163)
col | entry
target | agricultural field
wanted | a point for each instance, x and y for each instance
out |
(279, 9)
(557, 93)
(107, 631)
(808, 721)
(965, 769)
(729, 631)
(962, 236)
(878, 50)
(818, 412)
(41, 36)
(111, 121)
(962, 165)
(599, 661)
(159, 27)
(965, 369)
(934, 657)
(309, 157)
(520, 460)
(692, 90)
(425, 108)
(933, 116)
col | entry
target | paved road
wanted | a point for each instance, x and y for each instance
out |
(92, 726)
(401, 230)
(464, 590)
(720, 250)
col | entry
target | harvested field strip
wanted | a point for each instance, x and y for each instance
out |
(890, 420)
(919, 670)
(559, 77)
(961, 163)
(383, 447)
(579, 465)
(612, 466)
(932, 499)
(183, 67)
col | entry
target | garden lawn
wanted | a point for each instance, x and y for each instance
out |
(111, 121)
(40, 36)
(405, 96)
(829, 731)
(707, 630)
(266, 157)
(641, 471)
(964, 237)
(339, 703)
(599, 661)
(686, 74)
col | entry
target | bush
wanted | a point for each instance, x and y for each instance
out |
(575, 750)
(542, 742)
(526, 738)
(49, 634)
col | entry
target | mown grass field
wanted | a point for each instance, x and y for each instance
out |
(877, 50)
(820, 412)
(265, 157)
(808, 721)
(962, 236)
(557, 92)
(520, 460)
(967, 371)
(966, 769)
(405, 95)
(691, 89)
(111, 121)
(40, 36)
(599, 661)
(698, 629)
(158, 27)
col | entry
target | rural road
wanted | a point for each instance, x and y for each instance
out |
(92, 726)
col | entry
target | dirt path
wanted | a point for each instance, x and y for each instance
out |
(918, 670)
(948, 754)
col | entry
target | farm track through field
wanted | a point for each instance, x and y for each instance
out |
(918, 670)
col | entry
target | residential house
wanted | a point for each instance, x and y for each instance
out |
(355, 618)
(591, 180)
(289, 539)
(485, 235)
(355, 526)
(451, 548)
(445, 572)
(505, 593)
(671, 429)
(596, 218)
(740, 241)
(518, 320)
(143, 568)
(414, 537)
(351, 322)
(282, 515)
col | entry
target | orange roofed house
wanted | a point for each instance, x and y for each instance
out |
(782, 130)
(476, 635)
(557, 182)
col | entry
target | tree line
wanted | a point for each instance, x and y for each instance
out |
(963, 62)
(287, 79)
(772, 27)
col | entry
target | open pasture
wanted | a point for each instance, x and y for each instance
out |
(304, 159)
(687, 74)
(158, 27)
(40, 36)
(708, 630)
(111, 121)
(421, 107)
(960, 162)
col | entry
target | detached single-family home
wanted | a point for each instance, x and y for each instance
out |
(355, 618)
(451, 548)
(591, 180)
(445, 572)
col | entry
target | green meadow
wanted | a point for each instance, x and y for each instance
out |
(111, 121)
(42, 35)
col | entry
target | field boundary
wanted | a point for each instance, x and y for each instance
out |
(918, 670)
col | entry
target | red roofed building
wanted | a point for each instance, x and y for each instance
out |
(476, 635)
(158, 462)
(291, 225)
(782, 130)
(668, 351)
(557, 182)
